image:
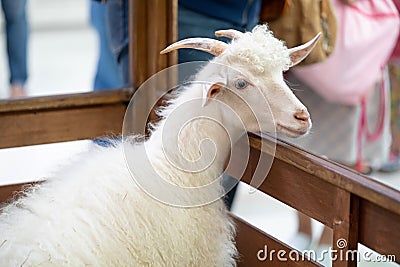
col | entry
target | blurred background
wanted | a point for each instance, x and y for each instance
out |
(62, 51)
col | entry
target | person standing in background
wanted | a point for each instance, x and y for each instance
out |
(203, 18)
(108, 74)
(17, 31)
(117, 18)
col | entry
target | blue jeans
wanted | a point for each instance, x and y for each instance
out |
(108, 74)
(193, 24)
(118, 26)
(17, 39)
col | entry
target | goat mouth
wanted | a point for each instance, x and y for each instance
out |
(291, 132)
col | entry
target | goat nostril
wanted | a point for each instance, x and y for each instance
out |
(302, 116)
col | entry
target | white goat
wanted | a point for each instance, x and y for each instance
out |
(94, 213)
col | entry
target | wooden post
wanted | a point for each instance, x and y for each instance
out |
(153, 26)
(345, 229)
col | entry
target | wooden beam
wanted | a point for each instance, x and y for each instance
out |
(296, 188)
(345, 228)
(258, 248)
(62, 118)
(64, 101)
(153, 26)
(331, 172)
(379, 229)
(8, 192)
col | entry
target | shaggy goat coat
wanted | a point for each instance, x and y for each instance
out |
(95, 214)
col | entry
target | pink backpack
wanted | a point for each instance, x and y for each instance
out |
(367, 33)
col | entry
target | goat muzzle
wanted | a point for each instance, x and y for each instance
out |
(302, 116)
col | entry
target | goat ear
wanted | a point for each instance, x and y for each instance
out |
(298, 53)
(210, 92)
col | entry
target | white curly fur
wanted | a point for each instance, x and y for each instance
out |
(93, 213)
(260, 51)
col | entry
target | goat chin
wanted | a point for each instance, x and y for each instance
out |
(292, 132)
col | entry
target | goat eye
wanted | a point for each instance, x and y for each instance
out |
(241, 84)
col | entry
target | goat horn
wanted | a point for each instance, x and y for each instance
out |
(211, 46)
(232, 34)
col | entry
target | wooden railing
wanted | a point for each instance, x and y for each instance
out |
(60, 118)
(358, 209)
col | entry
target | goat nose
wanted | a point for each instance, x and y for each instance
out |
(302, 115)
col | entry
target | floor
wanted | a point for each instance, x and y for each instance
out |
(62, 59)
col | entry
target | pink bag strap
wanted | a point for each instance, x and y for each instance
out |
(363, 129)
(374, 14)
